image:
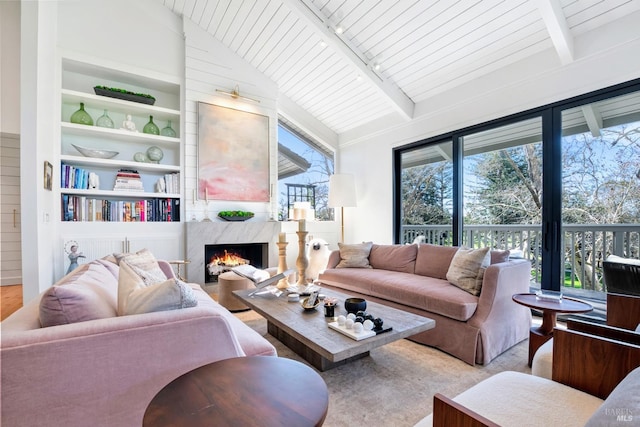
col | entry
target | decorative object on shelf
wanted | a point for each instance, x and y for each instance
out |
(128, 124)
(168, 130)
(104, 121)
(98, 154)
(154, 154)
(94, 181)
(48, 175)
(81, 117)
(302, 262)
(71, 248)
(220, 131)
(161, 186)
(126, 95)
(151, 127)
(140, 158)
(235, 215)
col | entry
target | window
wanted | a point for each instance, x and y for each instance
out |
(559, 185)
(304, 168)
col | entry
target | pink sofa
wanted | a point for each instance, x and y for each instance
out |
(106, 371)
(474, 329)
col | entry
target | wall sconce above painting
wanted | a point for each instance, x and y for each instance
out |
(235, 94)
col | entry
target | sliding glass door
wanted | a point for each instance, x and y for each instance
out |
(426, 186)
(558, 185)
(502, 190)
(600, 189)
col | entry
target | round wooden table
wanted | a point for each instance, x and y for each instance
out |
(243, 391)
(538, 335)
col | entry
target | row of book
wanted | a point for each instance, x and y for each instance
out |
(81, 208)
(172, 183)
(73, 177)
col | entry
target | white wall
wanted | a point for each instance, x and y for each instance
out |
(10, 67)
(603, 58)
(209, 65)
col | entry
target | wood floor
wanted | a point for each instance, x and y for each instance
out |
(10, 300)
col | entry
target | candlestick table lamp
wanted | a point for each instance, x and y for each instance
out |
(342, 194)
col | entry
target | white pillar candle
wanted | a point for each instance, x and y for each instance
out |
(302, 225)
(282, 237)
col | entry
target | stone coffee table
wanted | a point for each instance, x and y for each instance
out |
(307, 333)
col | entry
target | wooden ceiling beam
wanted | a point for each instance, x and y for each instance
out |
(558, 29)
(313, 17)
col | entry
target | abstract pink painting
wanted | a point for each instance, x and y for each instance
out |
(233, 154)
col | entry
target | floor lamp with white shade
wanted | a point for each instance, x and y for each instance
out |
(342, 194)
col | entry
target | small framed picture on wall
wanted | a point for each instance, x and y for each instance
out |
(48, 175)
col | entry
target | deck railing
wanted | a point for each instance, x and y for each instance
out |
(585, 247)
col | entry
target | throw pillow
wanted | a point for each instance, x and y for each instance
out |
(354, 256)
(467, 266)
(499, 256)
(394, 257)
(144, 264)
(85, 294)
(434, 260)
(136, 297)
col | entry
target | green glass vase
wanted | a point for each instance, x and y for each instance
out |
(168, 130)
(81, 117)
(105, 121)
(151, 127)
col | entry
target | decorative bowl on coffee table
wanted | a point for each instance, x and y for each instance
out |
(304, 305)
(353, 305)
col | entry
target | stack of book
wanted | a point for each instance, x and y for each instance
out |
(128, 180)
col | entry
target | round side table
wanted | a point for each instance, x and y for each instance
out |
(538, 335)
(227, 283)
(262, 391)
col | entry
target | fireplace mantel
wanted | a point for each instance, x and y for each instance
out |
(200, 234)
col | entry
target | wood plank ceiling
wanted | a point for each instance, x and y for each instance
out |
(351, 62)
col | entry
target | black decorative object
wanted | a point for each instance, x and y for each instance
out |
(353, 305)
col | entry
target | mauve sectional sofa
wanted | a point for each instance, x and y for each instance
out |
(413, 277)
(105, 371)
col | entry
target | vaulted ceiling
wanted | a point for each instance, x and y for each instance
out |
(352, 62)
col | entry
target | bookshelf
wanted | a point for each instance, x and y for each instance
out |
(121, 218)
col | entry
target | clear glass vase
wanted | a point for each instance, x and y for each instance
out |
(104, 121)
(151, 127)
(81, 117)
(168, 130)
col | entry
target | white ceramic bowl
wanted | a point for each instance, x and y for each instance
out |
(98, 154)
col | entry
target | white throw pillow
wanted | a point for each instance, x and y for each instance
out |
(144, 264)
(467, 267)
(136, 297)
(354, 256)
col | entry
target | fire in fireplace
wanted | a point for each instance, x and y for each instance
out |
(223, 257)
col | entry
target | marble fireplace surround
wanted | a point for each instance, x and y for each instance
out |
(200, 234)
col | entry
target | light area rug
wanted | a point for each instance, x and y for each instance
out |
(394, 386)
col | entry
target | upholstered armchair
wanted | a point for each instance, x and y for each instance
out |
(594, 382)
